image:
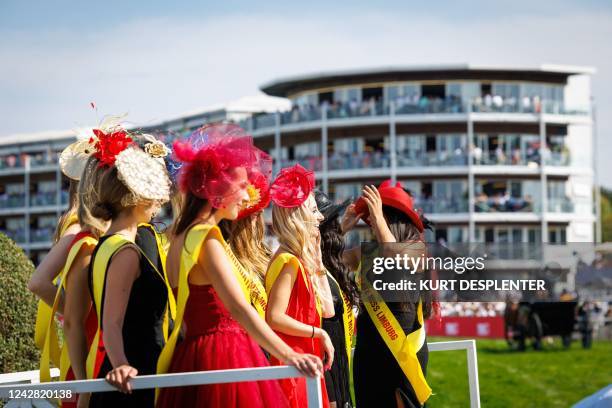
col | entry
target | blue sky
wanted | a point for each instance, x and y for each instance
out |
(155, 59)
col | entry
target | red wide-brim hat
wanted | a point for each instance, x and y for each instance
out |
(393, 196)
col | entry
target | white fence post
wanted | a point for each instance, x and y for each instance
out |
(472, 362)
(314, 393)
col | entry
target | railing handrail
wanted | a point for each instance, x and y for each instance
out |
(313, 384)
(7, 381)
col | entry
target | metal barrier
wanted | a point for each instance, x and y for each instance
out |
(28, 380)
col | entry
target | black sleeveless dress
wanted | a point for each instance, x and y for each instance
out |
(337, 378)
(376, 374)
(143, 337)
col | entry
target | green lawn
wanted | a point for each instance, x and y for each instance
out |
(553, 377)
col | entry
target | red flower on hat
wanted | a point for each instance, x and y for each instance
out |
(259, 195)
(292, 186)
(109, 145)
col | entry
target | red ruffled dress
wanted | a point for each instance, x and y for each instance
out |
(302, 307)
(215, 341)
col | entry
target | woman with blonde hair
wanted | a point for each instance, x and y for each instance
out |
(127, 283)
(296, 282)
(222, 330)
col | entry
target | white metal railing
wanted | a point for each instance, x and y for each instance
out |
(313, 385)
(29, 380)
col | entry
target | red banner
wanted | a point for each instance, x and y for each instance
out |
(488, 327)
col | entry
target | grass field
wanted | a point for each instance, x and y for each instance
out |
(553, 377)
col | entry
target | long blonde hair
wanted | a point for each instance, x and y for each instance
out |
(73, 207)
(292, 228)
(246, 237)
(87, 200)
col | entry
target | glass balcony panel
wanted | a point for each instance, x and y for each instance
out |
(41, 234)
(43, 199)
(12, 200)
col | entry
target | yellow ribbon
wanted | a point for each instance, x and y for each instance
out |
(403, 347)
(348, 320)
(44, 314)
(194, 240)
(100, 266)
(50, 349)
(277, 266)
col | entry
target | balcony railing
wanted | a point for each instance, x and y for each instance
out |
(16, 235)
(43, 199)
(10, 162)
(310, 163)
(12, 201)
(560, 205)
(45, 160)
(346, 110)
(366, 160)
(504, 204)
(417, 159)
(41, 234)
(441, 205)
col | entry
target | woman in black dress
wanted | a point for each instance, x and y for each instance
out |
(379, 380)
(343, 289)
(143, 337)
(127, 282)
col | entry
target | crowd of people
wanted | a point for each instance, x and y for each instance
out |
(208, 293)
(472, 309)
(413, 103)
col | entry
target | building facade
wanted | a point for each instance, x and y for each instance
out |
(491, 155)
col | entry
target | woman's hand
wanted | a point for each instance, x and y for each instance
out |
(349, 219)
(306, 364)
(328, 347)
(374, 202)
(120, 377)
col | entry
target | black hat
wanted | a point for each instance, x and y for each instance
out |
(329, 210)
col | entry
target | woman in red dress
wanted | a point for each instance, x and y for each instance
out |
(213, 299)
(298, 291)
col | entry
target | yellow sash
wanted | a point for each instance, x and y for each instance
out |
(50, 350)
(348, 320)
(194, 240)
(403, 347)
(100, 266)
(277, 266)
(44, 314)
(162, 248)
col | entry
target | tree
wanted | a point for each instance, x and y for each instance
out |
(17, 310)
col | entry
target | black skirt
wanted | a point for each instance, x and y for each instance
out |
(377, 376)
(337, 378)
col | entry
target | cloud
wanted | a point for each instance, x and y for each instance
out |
(158, 67)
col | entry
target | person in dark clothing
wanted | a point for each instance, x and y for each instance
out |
(379, 379)
(344, 293)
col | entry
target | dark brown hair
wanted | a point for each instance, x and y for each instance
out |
(404, 230)
(190, 210)
(332, 247)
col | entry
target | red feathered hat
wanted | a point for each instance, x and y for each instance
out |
(393, 196)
